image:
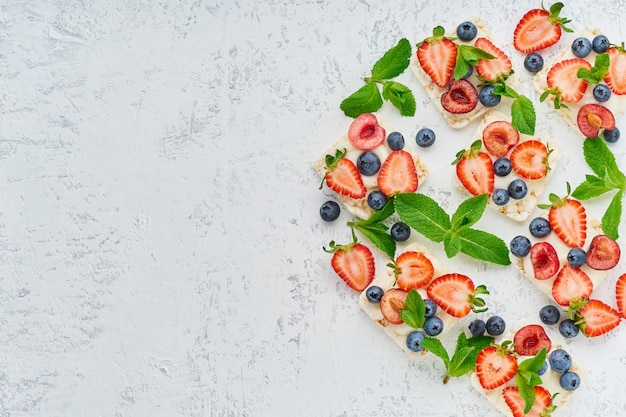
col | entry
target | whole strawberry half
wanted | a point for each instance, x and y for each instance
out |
(365, 133)
(571, 284)
(398, 174)
(563, 82)
(391, 303)
(545, 260)
(474, 169)
(596, 318)
(499, 137)
(539, 29)
(461, 97)
(603, 253)
(497, 69)
(530, 159)
(592, 117)
(437, 57)
(354, 263)
(542, 407)
(413, 270)
(615, 78)
(343, 177)
(530, 339)
(568, 219)
(495, 366)
(456, 295)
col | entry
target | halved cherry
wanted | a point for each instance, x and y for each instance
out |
(461, 97)
(592, 117)
(391, 303)
(530, 339)
(603, 253)
(499, 137)
(545, 260)
(365, 132)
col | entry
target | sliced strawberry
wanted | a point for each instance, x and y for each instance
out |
(413, 270)
(545, 260)
(456, 294)
(596, 318)
(497, 69)
(365, 132)
(354, 263)
(398, 174)
(437, 57)
(539, 29)
(615, 78)
(530, 339)
(563, 81)
(391, 303)
(499, 137)
(541, 407)
(530, 159)
(620, 295)
(343, 177)
(461, 97)
(571, 284)
(568, 219)
(603, 253)
(495, 366)
(592, 117)
(475, 170)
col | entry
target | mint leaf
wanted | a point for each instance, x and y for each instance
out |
(451, 244)
(414, 312)
(523, 117)
(612, 216)
(595, 74)
(592, 187)
(535, 363)
(601, 160)
(464, 358)
(400, 96)
(505, 91)
(469, 211)
(366, 99)
(423, 214)
(467, 55)
(393, 62)
(382, 214)
(484, 246)
(377, 234)
(527, 378)
(435, 347)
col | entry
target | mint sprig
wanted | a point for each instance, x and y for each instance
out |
(608, 177)
(466, 56)
(523, 116)
(368, 98)
(463, 359)
(527, 378)
(376, 231)
(425, 215)
(595, 75)
(414, 312)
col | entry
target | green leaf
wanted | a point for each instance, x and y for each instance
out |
(484, 246)
(535, 363)
(526, 391)
(423, 214)
(601, 160)
(400, 96)
(612, 216)
(595, 74)
(366, 99)
(523, 117)
(464, 358)
(414, 312)
(469, 211)
(393, 62)
(382, 214)
(451, 244)
(377, 234)
(435, 347)
(505, 91)
(592, 187)
(461, 67)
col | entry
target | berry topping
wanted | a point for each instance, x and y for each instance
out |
(475, 170)
(603, 253)
(545, 260)
(615, 78)
(495, 325)
(497, 69)
(611, 135)
(520, 246)
(576, 257)
(400, 231)
(437, 57)
(539, 29)
(620, 295)
(487, 97)
(500, 196)
(533, 62)
(414, 339)
(430, 308)
(477, 327)
(456, 295)
(560, 360)
(398, 174)
(365, 133)
(374, 293)
(502, 167)
(391, 303)
(368, 163)
(395, 140)
(376, 200)
(433, 326)
(425, 137)
(495, 366)
(517, 189)
(601, 92)
(581, 47)
(600, 44)
(499, 137)
(568, 219)
(568, 328)
(354, 263)
(539, 227)
(413, 270)
(461, 97)
(466, 31)
(530, 159)
(592, 117)
(570, 285)
(530, 339)
(549, 314)
(329, 211)
(569, 381)
(540, 408)
(596, 318)
(563, 81)
(343, 177)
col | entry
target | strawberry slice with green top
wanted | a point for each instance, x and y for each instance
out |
(398, 174)
(539, 29)
(542, 407)
(620, 295)
(474, 169)
(343, 177)
(571, 285)
(564, 84)
(412, 270)
(437, 57)
(615, 78)
(568, 219)
(456, 295)
(594, 318)
(354, 263)
(497, 69)
(530, 159)
(496, 365)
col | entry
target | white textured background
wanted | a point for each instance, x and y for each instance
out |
(160, 243)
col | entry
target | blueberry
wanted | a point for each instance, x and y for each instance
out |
(466, 31)
(543, 368)
(502, 166)
(329, 211)
(520, 246)
(395, 140)
(601, 93)
(400, 231)
(487, 98)
(431, 308)
(477, 327)
(425, 137)
(533, 62)
(376, 199)
(368, 163)
(612, 135)
(576, 257)
(518, 189)
(600, 44)
(539, 227)
(433, 326)
(569, 381)
(500, 196)
(549, 314)
(568, 328)
(581, 47)
(414, 339)
(374, 293)
(560, 361)
(495, 325)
